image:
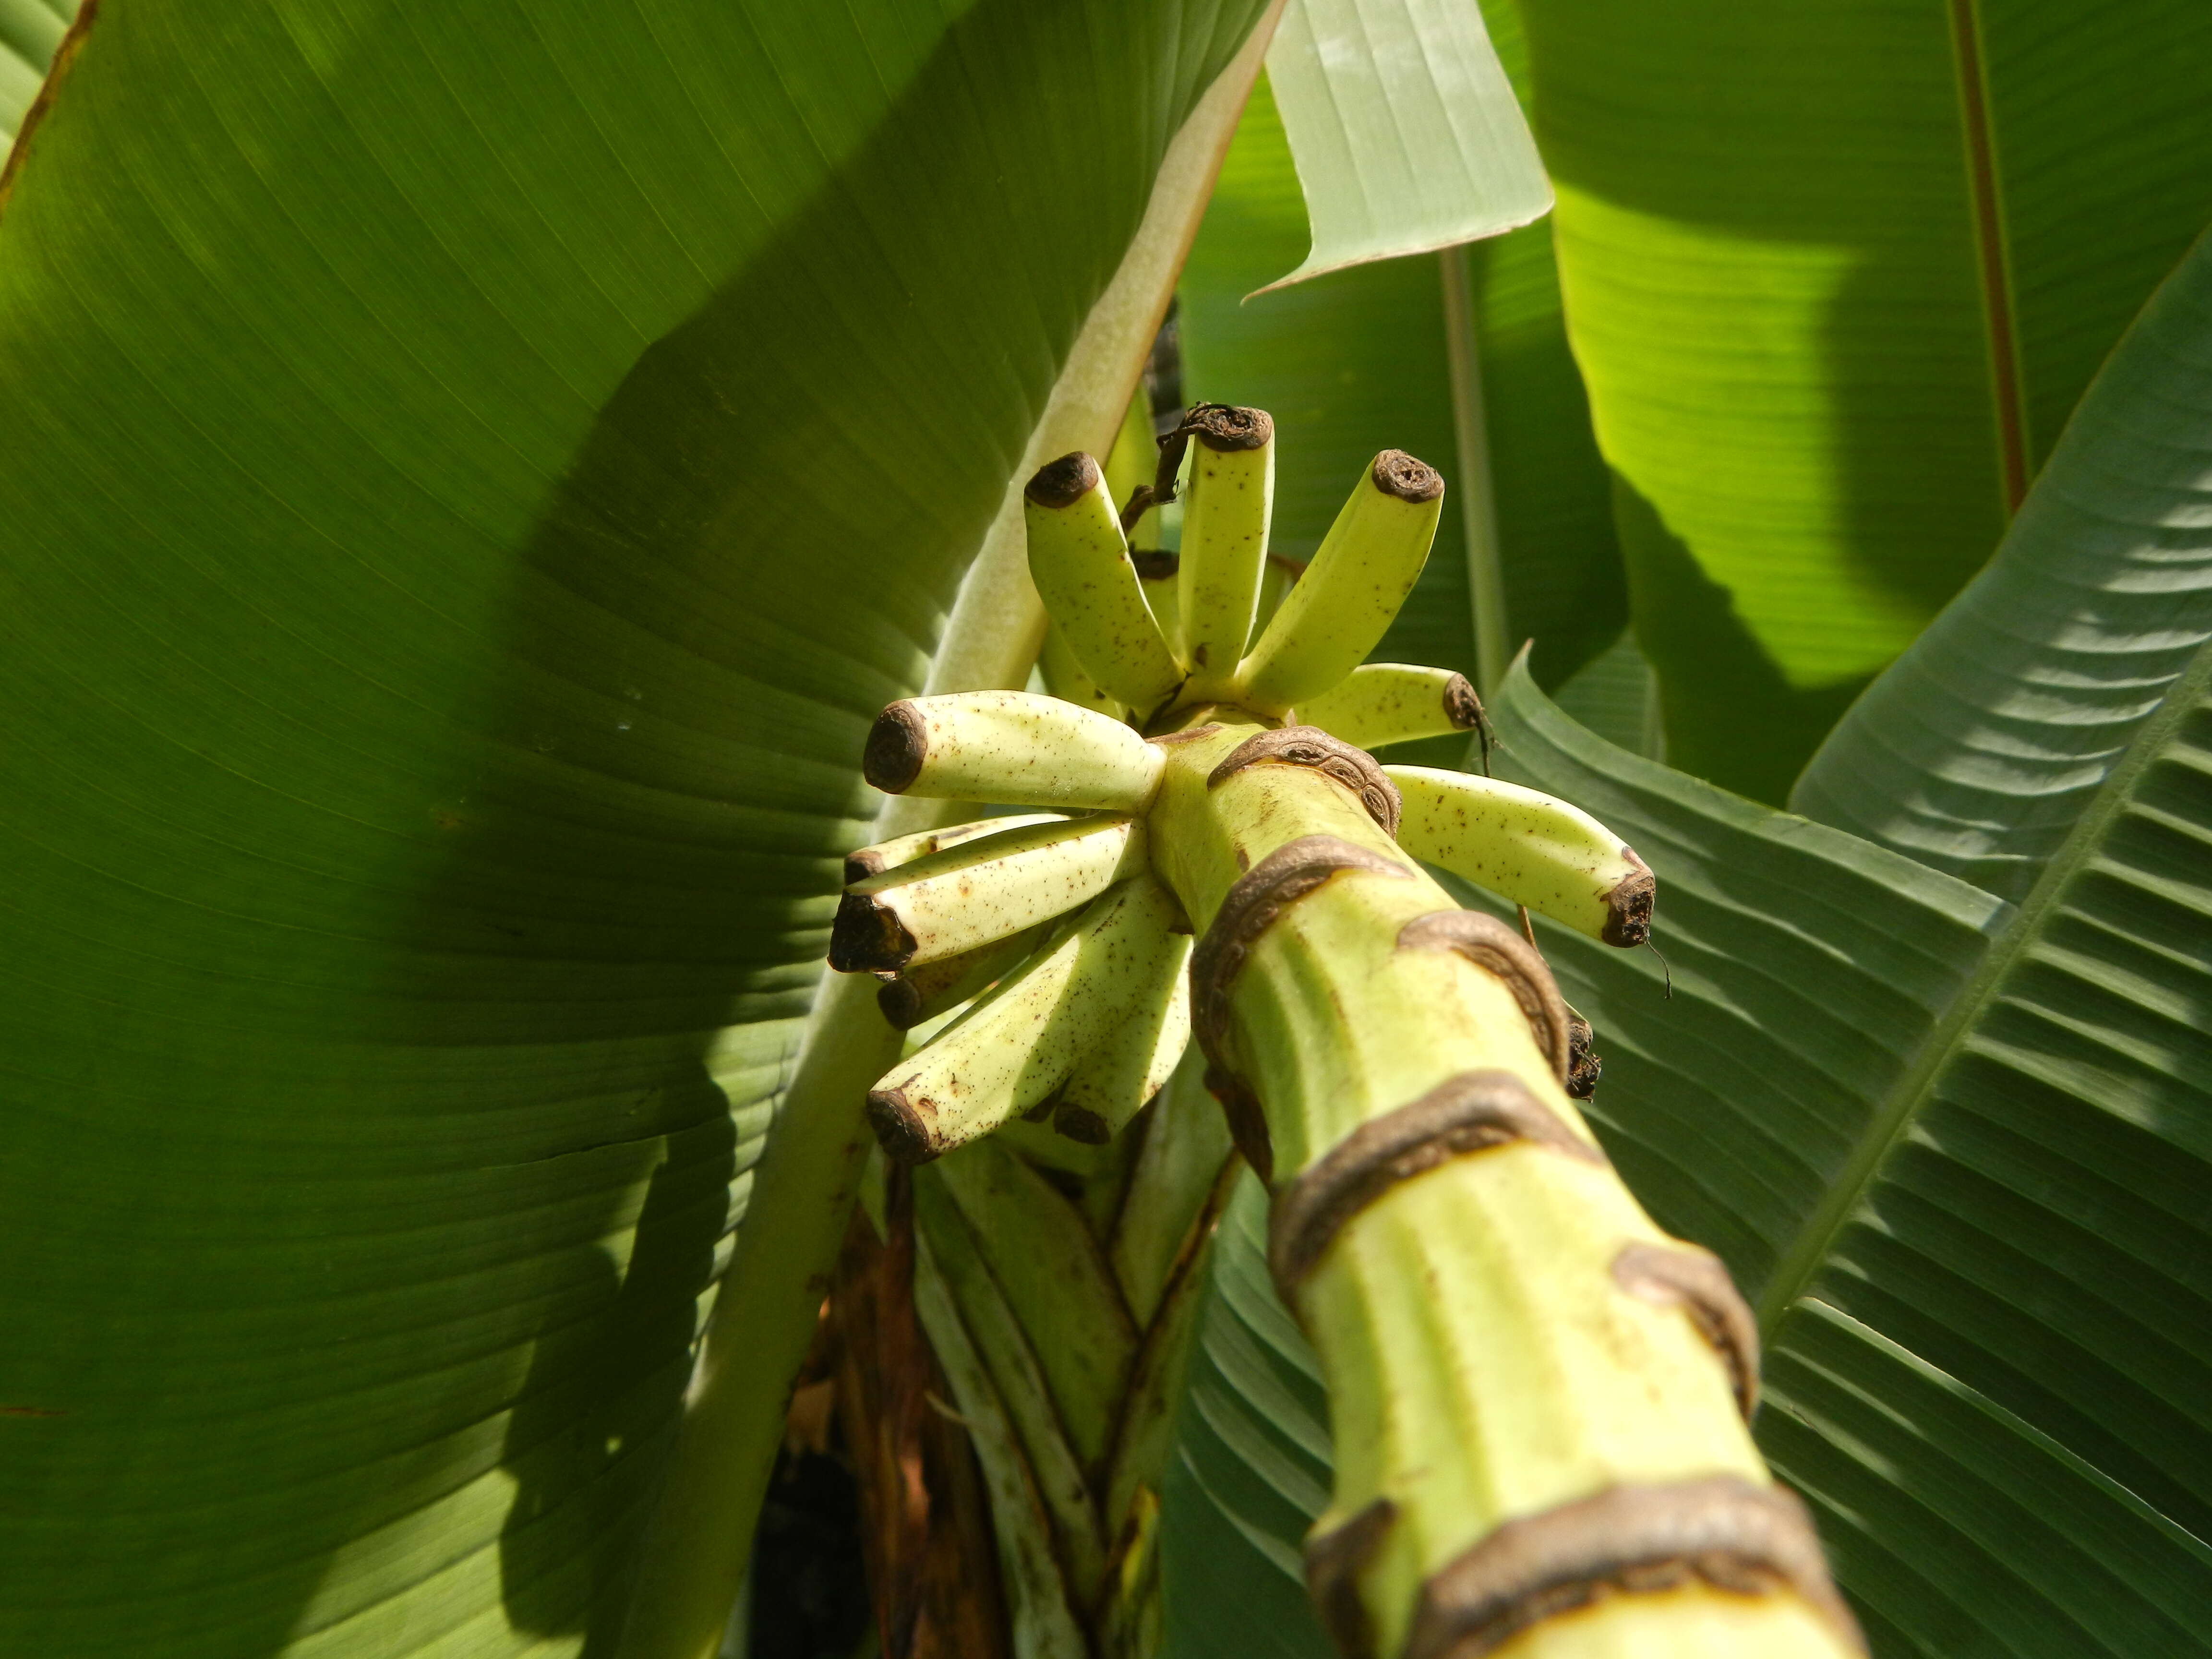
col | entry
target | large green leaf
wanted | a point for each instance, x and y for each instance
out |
(1836, 272)
(1356, 361)
(474, 475)
(1977, 749)
(1956, 1152)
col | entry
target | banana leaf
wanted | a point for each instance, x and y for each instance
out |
(1837, 273)
(30, 31)
(1977, 749)
(473, 477)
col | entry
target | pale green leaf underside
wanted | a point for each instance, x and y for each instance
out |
(1957, 1154)
(29, 32)
(1408, 136)
(473, 476)
(1977, 749)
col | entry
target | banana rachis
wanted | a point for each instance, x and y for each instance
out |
(1541, 1399)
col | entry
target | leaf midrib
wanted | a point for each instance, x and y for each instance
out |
(1796, 1269)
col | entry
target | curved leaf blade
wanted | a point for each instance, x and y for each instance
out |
(1978, 748)
(485, 473)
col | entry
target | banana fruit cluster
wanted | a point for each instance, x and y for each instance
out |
(1194, 845)
(1063, 957)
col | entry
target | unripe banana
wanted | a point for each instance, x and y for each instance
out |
(1393, 702)
(1021, 1041)
(921, 993)
(1161, 572)
(904, 849)
(1528, 848)
(1111, 1084)
(1226, 508)
(1071, 682)
(1011, 746)
(980, 891)
(1343, 605)
(1081, 567)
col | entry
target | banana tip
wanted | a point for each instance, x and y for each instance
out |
(1065, 482)
(1079, 1123)
(1226, 427)
(900, 1004)
(868, 938)
(1461, 707)
(899, 1127)
(1628, 905)
(1396, 473)
(897, 744)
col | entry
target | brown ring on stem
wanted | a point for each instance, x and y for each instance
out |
(1188, 734)
(1472, 1112)
(1333, 1560)
(1489, 944)
(1249, 909)
(1682, 1276)
(1309, 745)
(1247, 1123)
(1744, 1539)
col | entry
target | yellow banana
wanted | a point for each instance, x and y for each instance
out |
(980, 891)
(1132, 1062)
(1226, 508)
(1527, 846)
(1070, 681)
(921, 993)
(1080, 564)
(1393, 702)
(1022, 1039)
(1009, 746)
(904, 849)
(1343, 605)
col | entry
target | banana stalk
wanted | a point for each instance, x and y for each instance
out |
(1560, 1428)
(1527, 846)
(1385, 702)
(1344, 603)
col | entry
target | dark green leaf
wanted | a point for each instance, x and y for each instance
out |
(474, 476)
(1978, 748)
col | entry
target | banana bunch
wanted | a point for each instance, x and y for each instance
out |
(1047, 934)
(1202, 850)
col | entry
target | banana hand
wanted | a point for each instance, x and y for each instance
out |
(1528, 848)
